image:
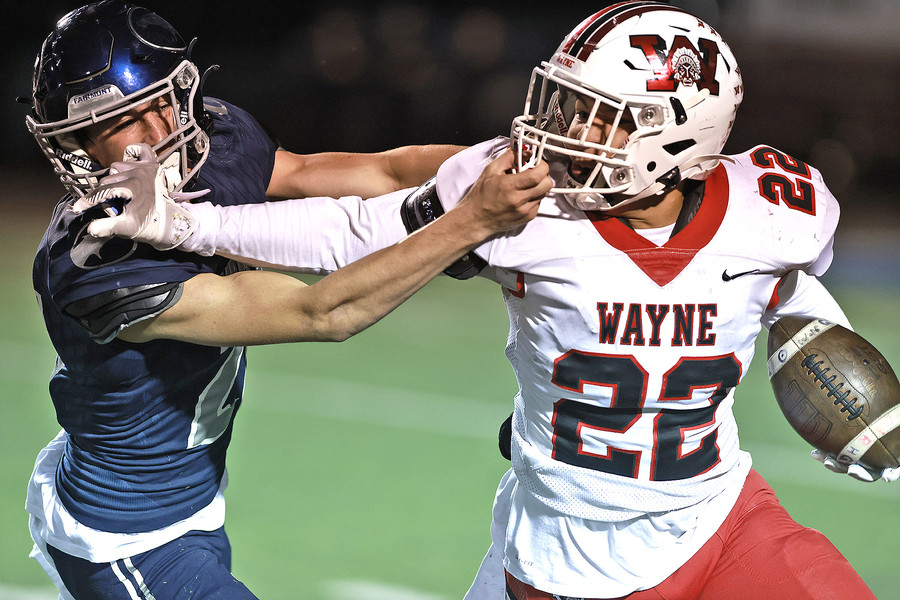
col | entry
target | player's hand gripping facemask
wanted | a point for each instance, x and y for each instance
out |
(139, 205)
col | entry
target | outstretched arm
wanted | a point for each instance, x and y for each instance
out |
(263, 307)
(306, 235)
(335, 174)
(310, 235)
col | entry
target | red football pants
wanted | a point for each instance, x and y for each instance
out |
(758, 553)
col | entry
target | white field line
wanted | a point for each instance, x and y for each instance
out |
(442, 414)
(370, 590)
(12, 592)
(450, 415)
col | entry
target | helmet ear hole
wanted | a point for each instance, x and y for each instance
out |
(671, 178)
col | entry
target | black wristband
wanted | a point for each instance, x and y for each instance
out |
(421, 208)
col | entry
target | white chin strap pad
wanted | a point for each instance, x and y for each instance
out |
(595, 201)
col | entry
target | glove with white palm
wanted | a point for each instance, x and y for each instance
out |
(855, 470)
(149, 213)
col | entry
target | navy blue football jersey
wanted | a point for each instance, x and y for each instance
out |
(149, 424)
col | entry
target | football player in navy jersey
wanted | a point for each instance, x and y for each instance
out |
(127, 501)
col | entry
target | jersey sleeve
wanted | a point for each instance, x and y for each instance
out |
(308, 235)
(458, 173)
(104, 315)
(789, 213)
(828, 225)
(108, 284)
(241, 159)
(801, 294)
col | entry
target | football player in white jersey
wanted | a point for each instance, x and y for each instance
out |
(635, 298)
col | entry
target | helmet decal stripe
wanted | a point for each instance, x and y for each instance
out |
(582, 44)
(681, 64)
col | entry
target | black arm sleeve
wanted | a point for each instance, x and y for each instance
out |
(105, 314)
(421, 208)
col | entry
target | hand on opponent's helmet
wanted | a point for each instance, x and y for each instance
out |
(139, 205)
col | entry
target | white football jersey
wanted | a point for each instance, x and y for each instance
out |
(625, 448)
(626, 347)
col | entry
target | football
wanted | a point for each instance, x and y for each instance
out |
(836, 390)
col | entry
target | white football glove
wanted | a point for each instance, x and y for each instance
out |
(855, 470)
(150, 213)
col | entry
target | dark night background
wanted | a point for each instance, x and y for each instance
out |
(822, 77)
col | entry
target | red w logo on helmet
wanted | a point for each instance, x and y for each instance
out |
(680, 64)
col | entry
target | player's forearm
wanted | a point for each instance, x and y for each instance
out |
(338, 174)
(310, 235)
(497, 202)
(413, 165)
(262, 307)
(359, 295)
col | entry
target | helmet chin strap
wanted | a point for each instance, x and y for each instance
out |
(662, 185)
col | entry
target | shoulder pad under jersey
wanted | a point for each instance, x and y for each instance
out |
(785, 208)
(107, 313)
(457, 174)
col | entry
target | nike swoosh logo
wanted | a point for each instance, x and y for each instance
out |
(727, 277)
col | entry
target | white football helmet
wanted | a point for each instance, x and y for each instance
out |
(673, 73)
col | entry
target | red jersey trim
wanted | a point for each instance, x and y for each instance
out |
(519, 292)
(664, 263)
(775, 299)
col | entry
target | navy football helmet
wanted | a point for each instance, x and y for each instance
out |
(100, 61)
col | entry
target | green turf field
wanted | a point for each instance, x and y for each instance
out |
(366, 470)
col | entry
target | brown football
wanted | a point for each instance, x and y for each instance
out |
(836, 390)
